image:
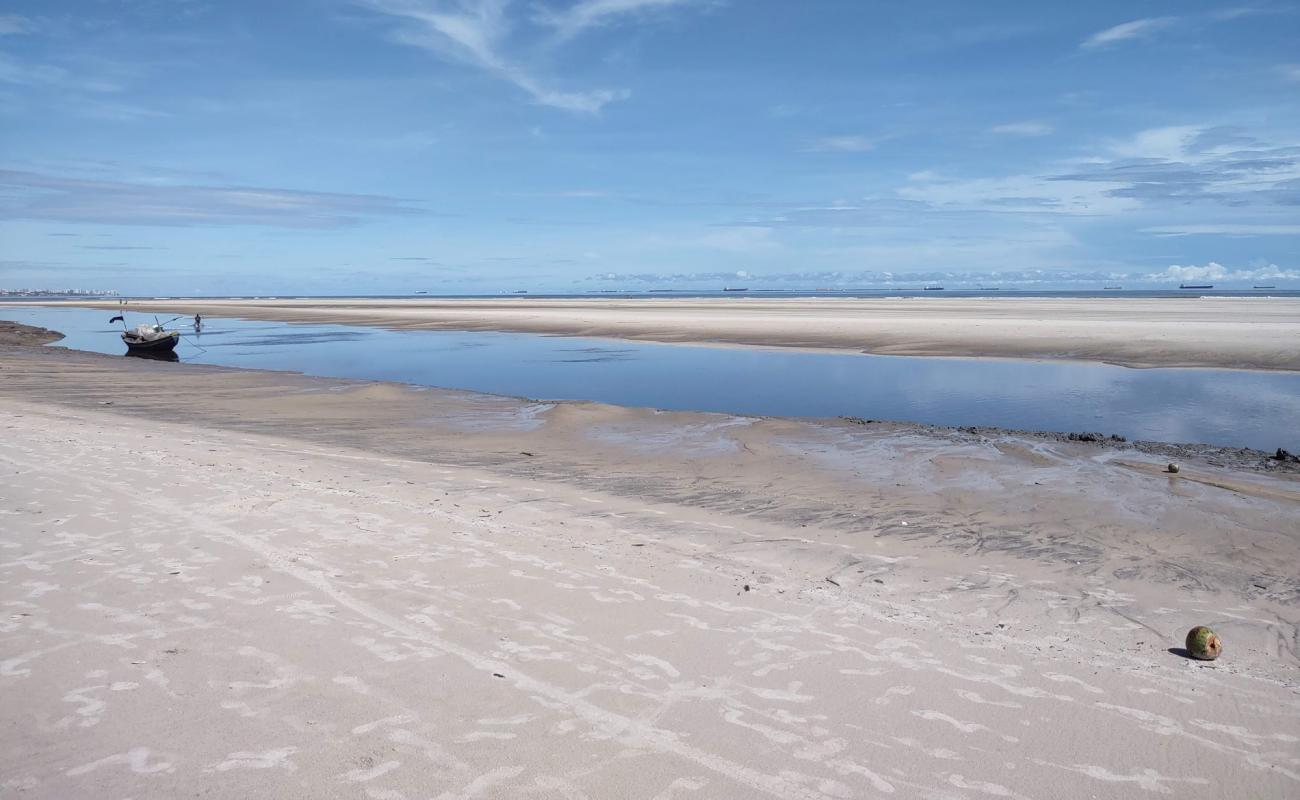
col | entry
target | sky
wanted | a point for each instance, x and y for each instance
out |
(210, 147)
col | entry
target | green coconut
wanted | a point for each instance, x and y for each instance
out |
(1203, 643)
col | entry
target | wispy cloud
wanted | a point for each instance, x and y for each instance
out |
(1224, 229)
(474, 32)
(914, 279)
(1217, 272)
(11, 24)
(1026, 128)
(1129, 30)
(1188, 165)
(1290, 72)
(20, 73)
(32, 195)
(842, 144)
(586, 14)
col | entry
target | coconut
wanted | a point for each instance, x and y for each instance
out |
(1203, 643)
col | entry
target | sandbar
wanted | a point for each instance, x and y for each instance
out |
(1234, 333)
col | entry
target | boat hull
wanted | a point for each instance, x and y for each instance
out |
(163, 344)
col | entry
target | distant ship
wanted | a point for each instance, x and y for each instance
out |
(934, 288)
(990, 288)
(729, 289)
(1195, 286)
(1265, 287)
(1112, 287)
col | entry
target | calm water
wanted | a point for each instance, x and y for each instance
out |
(1251, 409)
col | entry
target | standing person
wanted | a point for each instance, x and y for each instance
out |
(198, 323)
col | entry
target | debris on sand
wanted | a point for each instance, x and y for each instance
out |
(1172, 469)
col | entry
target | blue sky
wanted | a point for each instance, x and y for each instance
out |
(376, 146)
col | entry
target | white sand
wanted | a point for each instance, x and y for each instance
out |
(234, 604)
(1243, 333)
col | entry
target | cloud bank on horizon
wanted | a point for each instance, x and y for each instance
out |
(359, 146)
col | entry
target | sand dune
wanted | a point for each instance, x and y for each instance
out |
(260, 584)
(1237, 333)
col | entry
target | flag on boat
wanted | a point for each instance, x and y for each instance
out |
(118, 318)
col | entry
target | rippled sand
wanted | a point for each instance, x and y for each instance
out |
(237, 583)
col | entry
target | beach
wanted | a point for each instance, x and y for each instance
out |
(1234, 333)
(243, 582)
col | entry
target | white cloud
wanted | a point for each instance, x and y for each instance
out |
(1224, 229)
(1026, 128)
(1169, 143)
(13, 23)
(474, 32)
(842, 144)
(586, 14)
(1019, 194)
(1217, 272)
(1128, 30)
(32, 195)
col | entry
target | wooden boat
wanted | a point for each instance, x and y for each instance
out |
(150, 339)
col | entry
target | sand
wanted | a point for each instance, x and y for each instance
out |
(1235, 333)
(14, 333)
(229, 583)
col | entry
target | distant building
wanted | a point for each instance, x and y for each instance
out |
(58, 293)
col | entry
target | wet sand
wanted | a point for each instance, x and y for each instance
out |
(1234, 333)
(14, 333)
(254, 583)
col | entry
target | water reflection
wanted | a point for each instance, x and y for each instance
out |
(169, 355)
(1254, 409)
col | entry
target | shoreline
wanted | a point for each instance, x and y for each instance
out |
(414, 590)
(1138, 333)
(1243, 458)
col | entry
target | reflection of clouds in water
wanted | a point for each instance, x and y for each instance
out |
(287, 339)
(592, 355)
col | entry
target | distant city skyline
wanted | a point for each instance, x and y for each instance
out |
(475, 146)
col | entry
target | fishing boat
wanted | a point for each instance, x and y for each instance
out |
(152, 340)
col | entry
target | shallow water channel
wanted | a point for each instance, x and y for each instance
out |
(1224, 407)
